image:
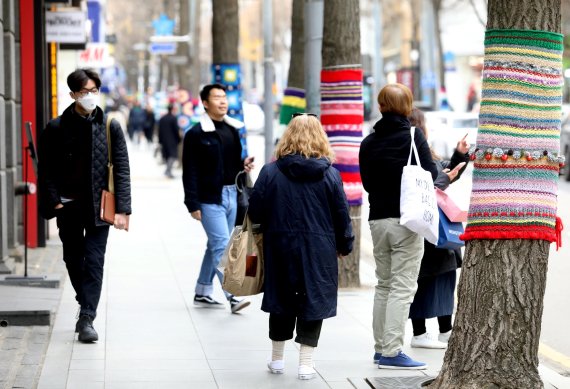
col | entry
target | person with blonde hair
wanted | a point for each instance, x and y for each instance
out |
(299, 202)
(397, 250)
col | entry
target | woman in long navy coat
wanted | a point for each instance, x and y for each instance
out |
(301, 206)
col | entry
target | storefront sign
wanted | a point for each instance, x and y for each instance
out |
(65, 27)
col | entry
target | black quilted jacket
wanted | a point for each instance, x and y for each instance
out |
(52, 159)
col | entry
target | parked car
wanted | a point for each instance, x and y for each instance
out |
(253, 116)
(446, 128)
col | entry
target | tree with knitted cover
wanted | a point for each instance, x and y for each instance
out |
(512, 215)
(294, 94)
(342, 112)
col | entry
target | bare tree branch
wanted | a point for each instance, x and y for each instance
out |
(479, 17)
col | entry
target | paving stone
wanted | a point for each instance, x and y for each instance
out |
(398, 382)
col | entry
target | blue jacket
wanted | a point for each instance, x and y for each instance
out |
(303, 212)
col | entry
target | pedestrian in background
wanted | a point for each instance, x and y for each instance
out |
(397, 250)
(437, 278)
(137, 117)
(148, 125)
(72, 172)
(301, 206)
(169, 138)
(211, 159)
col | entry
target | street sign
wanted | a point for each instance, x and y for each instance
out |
(162, 48)
(65, 27)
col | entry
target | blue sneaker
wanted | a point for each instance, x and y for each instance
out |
(377, 357)
(400, 362)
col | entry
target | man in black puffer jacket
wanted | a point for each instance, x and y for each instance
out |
(72, 172)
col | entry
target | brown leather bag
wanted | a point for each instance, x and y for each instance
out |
(107, 212)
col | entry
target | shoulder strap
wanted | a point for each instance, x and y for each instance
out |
(413, 148)
(111, 182)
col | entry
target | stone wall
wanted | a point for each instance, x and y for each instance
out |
(10, 131)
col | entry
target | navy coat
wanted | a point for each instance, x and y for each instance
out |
(303, 212)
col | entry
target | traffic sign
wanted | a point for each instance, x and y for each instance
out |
(162, 48)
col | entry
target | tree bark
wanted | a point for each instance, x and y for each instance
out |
(500, 298)
(497, 326)
(341, 33)
(341, 46)
(225, 31)
(296, 76)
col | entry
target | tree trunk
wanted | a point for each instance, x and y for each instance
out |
(439, 48)
(296, 76)
(341, 47)
(500, 298)
(497, 325)
(341, 33)
(225, 31)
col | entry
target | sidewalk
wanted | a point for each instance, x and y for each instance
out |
(152, 336)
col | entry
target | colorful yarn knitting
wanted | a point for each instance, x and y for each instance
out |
(293, 101)
(517, 156)
(229, 75)
(342, 116)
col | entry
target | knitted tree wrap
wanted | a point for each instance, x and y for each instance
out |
(516, 156)
(342, 116)
(293, 101)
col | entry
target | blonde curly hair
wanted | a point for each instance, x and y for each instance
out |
(305, 136)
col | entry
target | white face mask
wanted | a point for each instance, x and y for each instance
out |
(89, 101)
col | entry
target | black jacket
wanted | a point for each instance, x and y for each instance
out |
(303, 212)
(202, 163)
(438, 261)
(54, 154)
(383, 155)
(169, 135)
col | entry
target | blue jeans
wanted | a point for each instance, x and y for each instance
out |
(218, 221)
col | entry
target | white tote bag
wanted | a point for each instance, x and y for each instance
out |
(418, 204)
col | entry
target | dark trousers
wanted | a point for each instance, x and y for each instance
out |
(84, 248)
(281, 328)
(419, 325)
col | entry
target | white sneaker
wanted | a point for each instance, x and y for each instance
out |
(444, 337)
(276, 367)
(427, 341)
(307, 372)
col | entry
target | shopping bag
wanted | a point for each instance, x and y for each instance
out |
(418, 205)
(244, 187)
(450, 207)
(243, 262)
(449, 233)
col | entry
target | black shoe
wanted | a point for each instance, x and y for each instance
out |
(237, 305)
(206, 301)
(87, 333)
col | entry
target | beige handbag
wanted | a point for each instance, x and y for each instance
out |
(243, 261)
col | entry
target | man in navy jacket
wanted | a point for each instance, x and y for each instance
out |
(211, 159)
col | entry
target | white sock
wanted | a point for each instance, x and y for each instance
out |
(306, 355)
(277, 352)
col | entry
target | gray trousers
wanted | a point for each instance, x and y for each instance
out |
(398, 253)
